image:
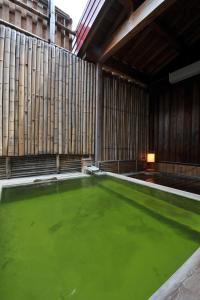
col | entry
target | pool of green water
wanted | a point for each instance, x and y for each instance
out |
(92, 239)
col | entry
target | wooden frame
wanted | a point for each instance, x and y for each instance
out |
(138, 20)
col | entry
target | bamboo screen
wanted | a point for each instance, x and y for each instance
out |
(125, 120)
(47, 98)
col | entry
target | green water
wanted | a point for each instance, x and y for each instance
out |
(92, 239)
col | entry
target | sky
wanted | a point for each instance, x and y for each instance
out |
(74, 8)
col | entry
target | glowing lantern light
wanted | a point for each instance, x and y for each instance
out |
(151, 157)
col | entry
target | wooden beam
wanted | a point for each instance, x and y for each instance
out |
(128, 4)
(125, 68)
(137, 21)
(172, 40)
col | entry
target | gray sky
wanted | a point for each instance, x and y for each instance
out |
(74, 8)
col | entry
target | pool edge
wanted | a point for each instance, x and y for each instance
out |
(156, 186)
(190, 269)
(23, 181)
(188, 274)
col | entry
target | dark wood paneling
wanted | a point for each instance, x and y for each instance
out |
(124, 120)
(179, 169)
(122, 166)
(26, 166)
(175, 122)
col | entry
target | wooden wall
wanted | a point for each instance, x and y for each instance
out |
(175, 122)
(16, 14)
(47, 98)
(125, 120)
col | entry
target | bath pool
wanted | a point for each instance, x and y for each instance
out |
(92, 239)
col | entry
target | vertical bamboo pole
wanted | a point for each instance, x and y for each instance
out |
(34, 74)
(67, 105)
(84, 109)
(56, 120)
(64, 77)
(53, 77)
(73, 102)
(29, 96)
(17, 63)
(46, 82)
(2, 41)
(82, 105)
(26, 98)
(21, 94)
(60, 106)
(88, 105)
(6, 86)
(49, 100)
(78, 106)
(41, 100)
(90, 109)
(37, 96)
(11, 145)
(70, 106)
(76, 133)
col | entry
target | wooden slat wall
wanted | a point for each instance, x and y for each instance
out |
(125, 120)
(20, 17)
(2, 167)
(72, 164)
(180, 169)
(47, 98)
(122, 166)
(38, 165)
(175, 122)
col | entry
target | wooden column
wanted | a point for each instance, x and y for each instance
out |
(58, 163)
(98, 129)
(52, 21)
(8, 167)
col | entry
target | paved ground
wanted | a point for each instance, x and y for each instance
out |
(184, 284)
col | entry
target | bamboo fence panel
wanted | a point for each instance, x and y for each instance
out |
(47, 98)
(125, 120)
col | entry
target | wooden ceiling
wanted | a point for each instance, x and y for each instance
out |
(172, 38)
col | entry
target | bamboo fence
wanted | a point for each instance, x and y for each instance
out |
(47, 98)
(48, 104)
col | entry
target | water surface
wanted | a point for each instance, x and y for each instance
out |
(92, 239)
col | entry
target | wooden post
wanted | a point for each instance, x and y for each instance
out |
(52, 21)
(58, 163)
(98, 130)
(8, 167)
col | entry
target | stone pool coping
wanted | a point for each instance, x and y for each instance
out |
(38, 179)
(184, 283)
(156, 186)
